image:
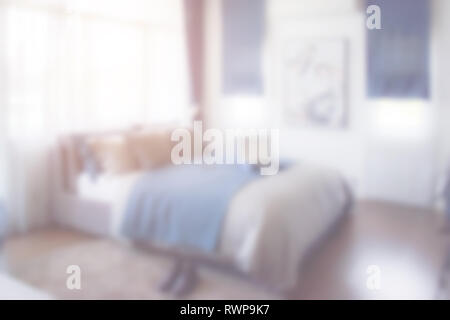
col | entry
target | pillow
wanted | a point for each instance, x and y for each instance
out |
(151, 149)
(88, 161)
(112, 153)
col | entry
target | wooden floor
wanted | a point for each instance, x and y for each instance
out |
(406, 245)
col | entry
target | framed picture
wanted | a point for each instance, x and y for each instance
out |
(315, 77)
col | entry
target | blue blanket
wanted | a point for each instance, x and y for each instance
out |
(185, 205)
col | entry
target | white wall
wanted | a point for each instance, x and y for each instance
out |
(342, 149)
(407, 157)
(391, 153)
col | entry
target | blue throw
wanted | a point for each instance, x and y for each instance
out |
(185, 205)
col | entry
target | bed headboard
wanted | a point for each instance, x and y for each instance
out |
(69, 155)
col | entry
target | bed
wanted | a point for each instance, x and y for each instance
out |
(270, 225)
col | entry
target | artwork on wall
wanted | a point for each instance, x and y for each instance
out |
(315, 80)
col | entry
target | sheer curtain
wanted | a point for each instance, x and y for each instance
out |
(70, 69)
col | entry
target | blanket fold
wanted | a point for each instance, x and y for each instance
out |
(184, 206)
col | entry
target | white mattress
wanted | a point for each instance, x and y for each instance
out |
(111, 189)
(271, 222)
(105, 187)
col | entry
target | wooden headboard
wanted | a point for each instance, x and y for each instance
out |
(68, 152)
(68, 157)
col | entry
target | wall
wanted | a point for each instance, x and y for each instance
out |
(407, 159)
(391, 150)
(342, 149)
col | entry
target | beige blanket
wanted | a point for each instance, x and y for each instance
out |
(272, 222)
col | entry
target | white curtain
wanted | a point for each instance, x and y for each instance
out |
(66, 69)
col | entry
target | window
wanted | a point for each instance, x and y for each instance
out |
(88, 66)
